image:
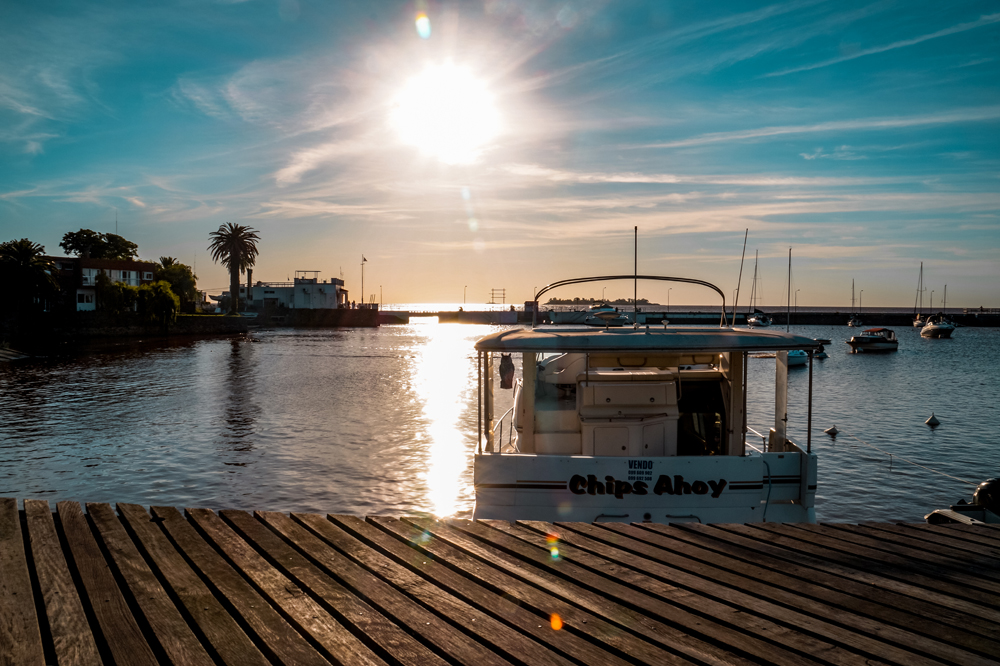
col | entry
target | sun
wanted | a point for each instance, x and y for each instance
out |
(447, 113)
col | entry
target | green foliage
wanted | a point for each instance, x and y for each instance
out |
(235, 247)
(158, 304)
(115, 298)
(24, 267)
(98, 246)
(182, 280)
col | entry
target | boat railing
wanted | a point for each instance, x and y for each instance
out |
(763, 439)
(510, 437)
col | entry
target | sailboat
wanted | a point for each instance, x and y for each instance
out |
(918, 318)
(855, 320)
(795, 356)
(754, 316)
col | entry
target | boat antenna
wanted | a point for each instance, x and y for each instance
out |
(740, 279)
(788, 296)
(635, 281)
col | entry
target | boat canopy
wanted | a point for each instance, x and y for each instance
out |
(875, 330)
(565, 339)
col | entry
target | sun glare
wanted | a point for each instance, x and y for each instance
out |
(447, 113)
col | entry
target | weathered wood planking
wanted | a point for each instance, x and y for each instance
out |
(244, 589)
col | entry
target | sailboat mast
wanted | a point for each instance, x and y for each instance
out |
(788, 296)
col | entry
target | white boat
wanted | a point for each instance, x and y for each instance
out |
(756, 318)
(937, 326)
(797, 357)
(605, 315)
(874, 339)
(638, 424)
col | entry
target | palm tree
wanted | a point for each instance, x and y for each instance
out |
(24, 265)
(235, 247)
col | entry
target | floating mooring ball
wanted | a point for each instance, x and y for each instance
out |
(987, 495)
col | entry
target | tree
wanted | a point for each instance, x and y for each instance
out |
(115, 298)
(25, 268)
(183, 281)
(87, 243)
(235, 247)
(157, 303)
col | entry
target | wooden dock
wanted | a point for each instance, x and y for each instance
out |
(129, 586)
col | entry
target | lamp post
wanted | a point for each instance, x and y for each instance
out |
(603, 289)
(464, 290)
(859, 300)
(932, 300)
(797, 300)
(668, 299)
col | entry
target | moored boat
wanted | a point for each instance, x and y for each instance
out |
(874, 339)
(638, 424)
(937, 326)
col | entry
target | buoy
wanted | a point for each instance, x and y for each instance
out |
(932, 421)
(832, 432)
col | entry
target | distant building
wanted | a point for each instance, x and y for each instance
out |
(78, 277)
(305, 292)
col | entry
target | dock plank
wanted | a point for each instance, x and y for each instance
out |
(72, 639)
(301, 609)
(433, 629)
(222, 633)
(879, 622)
(277, 639)
(918, 609)
(171, 630)
(733, 595)
(956, 547)
(513, 591)
(20, 636)
(598, 567)
(563, 642)
(367, 621)
(928, 556)
(671, 628)
(875, 560)
(118, 625)
(973, 534)
(480, 627)
(241, 588)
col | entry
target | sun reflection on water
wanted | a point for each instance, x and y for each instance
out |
(445, 383)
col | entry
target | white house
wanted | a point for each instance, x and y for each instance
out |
(307, 291)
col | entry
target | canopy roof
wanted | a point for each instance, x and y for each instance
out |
(571, 339)
(875, 330)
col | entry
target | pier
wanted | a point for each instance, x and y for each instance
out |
(127, 585)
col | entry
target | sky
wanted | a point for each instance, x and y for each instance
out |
(461, 147)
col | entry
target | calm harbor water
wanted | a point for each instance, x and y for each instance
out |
(382, 421)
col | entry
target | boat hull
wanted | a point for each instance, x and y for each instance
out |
(934, 331)
(882, 346)
(769, 487)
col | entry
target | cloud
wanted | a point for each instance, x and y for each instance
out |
(975, 114)
(961, 27)
(839, 153)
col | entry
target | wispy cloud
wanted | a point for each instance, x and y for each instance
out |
(965, 116)
(961, 27)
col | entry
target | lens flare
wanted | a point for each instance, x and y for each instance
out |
(423, 26)
(556, 621)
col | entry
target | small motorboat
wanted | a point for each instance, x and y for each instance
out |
(758, 320)
(937, 326)
(797, 357)
(605, 315)
(874, 339)
(855, 322)
(918, 321)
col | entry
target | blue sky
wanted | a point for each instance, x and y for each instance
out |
(862, 135)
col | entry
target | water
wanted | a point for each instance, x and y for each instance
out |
(383, 421)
